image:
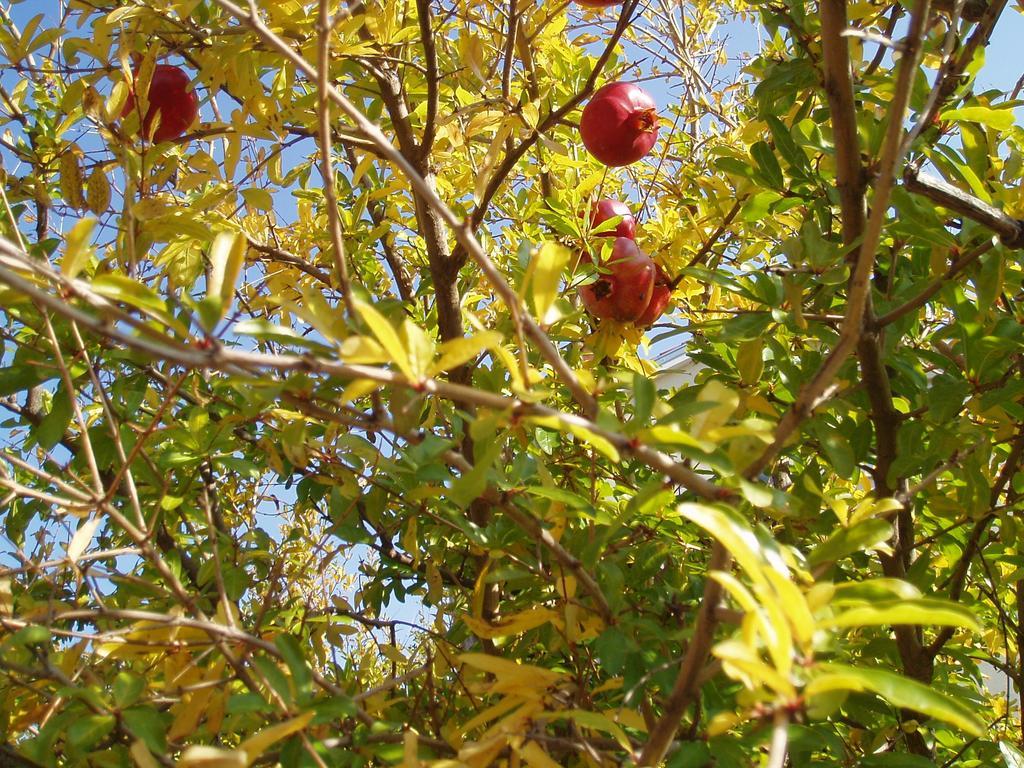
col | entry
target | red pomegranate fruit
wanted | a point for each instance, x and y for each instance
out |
(171, 99)
(619, 124)
(661, 295)
(608, 209)
(623, 291)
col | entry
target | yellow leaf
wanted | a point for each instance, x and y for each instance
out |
(515, 624)
(421, 348)
(212, 757)
(386, 335)
(482, 754)
(725, 402)
(628, 718)
(97, 192)
(493, 712)
(600, 444)
(738, 539)
(512, 365)
(82, 538)
(455, 352)
(257, 744)
(363, 350)
(115, 104)
(536, 757)
(598, 722)
(549, 263)
(70, 178)
(227, 256)
(188, 712)
(519, 679)
(141, 755)
(410, 744)
(749, 361)
(737, 657)
(76, 248)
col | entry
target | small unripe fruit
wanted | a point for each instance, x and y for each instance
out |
(169, 97)
(623, 291)
(619, 125)
(608, 209)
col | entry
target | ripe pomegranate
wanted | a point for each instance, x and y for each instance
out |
(661, 295)
(619, 124)
(607, 209)
(171, 98)
(624, 290)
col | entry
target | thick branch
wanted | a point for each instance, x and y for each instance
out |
(1009, 229)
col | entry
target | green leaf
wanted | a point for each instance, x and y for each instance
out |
(470, 485)
(898, 691)
(768, 164)
(837, 448)
(669, 435)
(293, 656)
(1000, 119)
(924, 611)
(784, 143)
(757, 206)
(121, 288)
(560, 495)
(86, 732)
(644, 395)
(127, 688)
(53, 426)
(273, 674)
(845, 541)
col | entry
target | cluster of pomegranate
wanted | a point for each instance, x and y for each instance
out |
(171, 99)
(619, 126)
(631, 287)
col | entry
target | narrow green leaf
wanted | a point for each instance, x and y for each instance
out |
(1000, 119)
(293, 656)
(845, 541)
(898, 691)
(768, 164)
(924, 611)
